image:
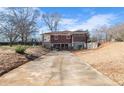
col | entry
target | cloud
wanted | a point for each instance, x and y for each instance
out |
(68, 21)
(2, 9)
(43, 29)
(65, 24)
(92, 23)
(98, 20)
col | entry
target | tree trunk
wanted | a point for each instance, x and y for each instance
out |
(22, 39)
(25, 40)
(10, 42)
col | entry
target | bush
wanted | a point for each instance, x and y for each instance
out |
(119, 39)
(20, 49)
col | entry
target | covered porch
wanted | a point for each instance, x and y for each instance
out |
(62, 46)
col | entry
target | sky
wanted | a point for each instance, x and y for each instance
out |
(74, 18)
(82, 18)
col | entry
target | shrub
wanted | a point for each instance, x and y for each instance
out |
(20, 49)
(119, 39)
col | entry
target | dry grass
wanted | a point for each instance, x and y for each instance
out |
(10, 60)
(109, 59)
(37, 51)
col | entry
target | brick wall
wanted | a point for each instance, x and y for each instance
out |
(79, 38)
(61, 38)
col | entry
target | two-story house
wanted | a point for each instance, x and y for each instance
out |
(65, 40)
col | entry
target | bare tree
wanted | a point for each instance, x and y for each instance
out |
(117, 32)
(9, 32)
(7, 28)
(103, 33)
(98, 34)
(104, 30)
(25, 21)
(51, 21)
(19, 22)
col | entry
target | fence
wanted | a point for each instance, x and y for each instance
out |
(92, 45)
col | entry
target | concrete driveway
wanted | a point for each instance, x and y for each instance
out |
(55, 68)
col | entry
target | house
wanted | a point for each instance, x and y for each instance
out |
(65, 40)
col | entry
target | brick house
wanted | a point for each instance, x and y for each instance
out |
(65, 40)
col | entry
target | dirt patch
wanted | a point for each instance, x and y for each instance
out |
(10, 60)
(6, 50)
(37, 51)
(109, 59)
(114, 70)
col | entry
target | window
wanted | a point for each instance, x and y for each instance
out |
(68, 37)
(55, 37)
